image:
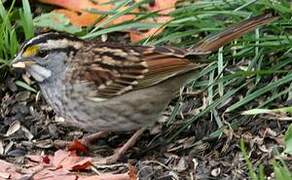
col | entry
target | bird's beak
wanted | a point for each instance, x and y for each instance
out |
(30, 65)
(22, 63)
(19, 65)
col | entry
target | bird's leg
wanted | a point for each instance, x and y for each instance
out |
(90, 139)
(121, 151)
(86, 141)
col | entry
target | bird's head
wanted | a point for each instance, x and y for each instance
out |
(44, 54)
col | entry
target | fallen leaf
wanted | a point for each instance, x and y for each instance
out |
(78, 20)
(59, 166)
(132, 172)
(27, 133)
(108, 177)
(4, 175)
(46, 160)
(78, 11)
(182, 165)
(8, 170)
(80, 5)
(47, 174)
(70, 161)
(8, 147)
(77, 146)
(81, 14)
(56, 21)
(13, 128)
(35, 158)
(45, 143)
(59, 157)
(82, 165)
(1, 147)
(163, 7)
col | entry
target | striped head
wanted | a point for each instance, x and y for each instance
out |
(45, 53)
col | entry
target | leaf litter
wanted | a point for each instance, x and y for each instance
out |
(194, 154)
(63, 164)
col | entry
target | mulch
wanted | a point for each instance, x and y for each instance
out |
(28, 126)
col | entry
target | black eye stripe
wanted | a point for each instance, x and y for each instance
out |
(43, 53)
(24, 45)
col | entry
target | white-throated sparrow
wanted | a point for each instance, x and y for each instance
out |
(111, 87)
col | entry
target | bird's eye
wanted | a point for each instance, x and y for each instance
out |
(42, 54)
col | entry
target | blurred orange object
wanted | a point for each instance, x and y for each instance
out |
(78, 13)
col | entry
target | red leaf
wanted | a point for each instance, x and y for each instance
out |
(77, 146)
(59, 157)
(82, 165)
(46, 160)
(132, 172)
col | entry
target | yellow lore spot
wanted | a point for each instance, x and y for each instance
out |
(30, 51)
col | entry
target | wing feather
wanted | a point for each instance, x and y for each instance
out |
(112, 70)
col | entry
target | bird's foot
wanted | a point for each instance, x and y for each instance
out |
(119, 153)
(85, 141)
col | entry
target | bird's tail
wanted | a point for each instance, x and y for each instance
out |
(215, 41)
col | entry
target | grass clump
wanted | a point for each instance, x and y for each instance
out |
(14, 22)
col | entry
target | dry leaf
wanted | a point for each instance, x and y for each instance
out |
(82, 165)
(8, 147)
(132, 172)
(8, 170)
(4, 175)
(45, 144)
(13, 128)
(108, 177)
(78, 14)
(27, 133)
(77, 146)
(59, 166)
(164, 7)
(1, 147)
(78, 11)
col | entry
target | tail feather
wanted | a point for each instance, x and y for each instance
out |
(213, 42)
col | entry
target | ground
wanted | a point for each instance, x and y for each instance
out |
(192, 154)
(203, 134)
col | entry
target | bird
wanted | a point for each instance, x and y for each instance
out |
(113, 87)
